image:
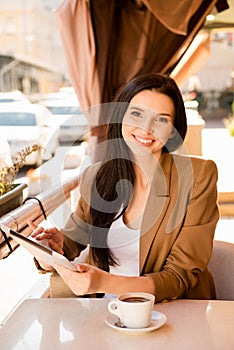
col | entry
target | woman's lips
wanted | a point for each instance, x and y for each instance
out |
(143, 141)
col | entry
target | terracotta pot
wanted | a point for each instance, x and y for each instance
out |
(12, 199)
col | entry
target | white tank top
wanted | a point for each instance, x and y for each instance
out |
(124, 243)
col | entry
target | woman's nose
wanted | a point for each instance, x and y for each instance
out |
(147, 125)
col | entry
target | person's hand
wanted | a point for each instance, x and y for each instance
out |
(87, 280)
(53, 235)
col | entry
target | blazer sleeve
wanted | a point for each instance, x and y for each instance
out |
(192, 248)
(77, 228)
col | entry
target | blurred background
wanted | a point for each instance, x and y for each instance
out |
(32, 57)
(35, 68)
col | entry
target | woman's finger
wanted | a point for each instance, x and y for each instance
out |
(36, 229)
(37, 232)
(54, 246)
(51, 230)
(32, 225)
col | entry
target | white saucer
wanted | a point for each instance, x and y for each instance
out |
(157, 320)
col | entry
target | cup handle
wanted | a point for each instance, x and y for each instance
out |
(113, 308)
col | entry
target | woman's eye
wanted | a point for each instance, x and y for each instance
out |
(136, 114)
(162, 120)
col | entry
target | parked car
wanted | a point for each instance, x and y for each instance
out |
(68, 116)
(5, 152)
(13, 96)
(27, 124)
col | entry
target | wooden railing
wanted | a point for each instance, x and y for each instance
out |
(35, 208)
(49, 200)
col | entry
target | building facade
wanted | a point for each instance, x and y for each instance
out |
(31, 53)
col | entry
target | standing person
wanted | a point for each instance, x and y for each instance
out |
(146, 217)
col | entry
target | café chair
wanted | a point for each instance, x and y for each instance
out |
(221, 266)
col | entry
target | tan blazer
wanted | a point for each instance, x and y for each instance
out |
(177, 228)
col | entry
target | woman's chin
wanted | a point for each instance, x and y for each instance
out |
(142, 151)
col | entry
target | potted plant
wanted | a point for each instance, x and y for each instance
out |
(11, 194)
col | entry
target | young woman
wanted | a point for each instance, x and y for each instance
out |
(146, 217)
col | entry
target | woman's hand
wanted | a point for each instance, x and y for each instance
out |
(53, 235)
(87, 280)
(90, 279)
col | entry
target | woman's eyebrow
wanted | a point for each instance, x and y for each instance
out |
(166, 114)
(138, 108)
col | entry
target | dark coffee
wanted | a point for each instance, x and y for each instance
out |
(135, 300)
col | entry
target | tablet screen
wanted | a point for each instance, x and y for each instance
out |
(29, 240)
(41, 252)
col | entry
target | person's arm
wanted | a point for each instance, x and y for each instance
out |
(192, 249)
(74, 237)
(91, 279)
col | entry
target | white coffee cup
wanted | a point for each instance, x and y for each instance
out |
(134, 309)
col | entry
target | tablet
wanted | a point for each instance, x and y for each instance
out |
(40, 251)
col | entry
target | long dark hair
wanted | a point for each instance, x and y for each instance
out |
(115, 179)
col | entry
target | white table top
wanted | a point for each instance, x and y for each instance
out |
(80, 324)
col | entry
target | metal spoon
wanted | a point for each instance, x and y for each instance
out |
(119, 324)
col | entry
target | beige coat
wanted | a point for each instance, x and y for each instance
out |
(176, 233)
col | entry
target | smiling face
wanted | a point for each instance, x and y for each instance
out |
(148, 122)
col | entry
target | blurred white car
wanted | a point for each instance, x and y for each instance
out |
(68, 116)
(5, 153)
(13, 96)
(27, 124)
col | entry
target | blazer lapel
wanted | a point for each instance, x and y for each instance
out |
(156, 206)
